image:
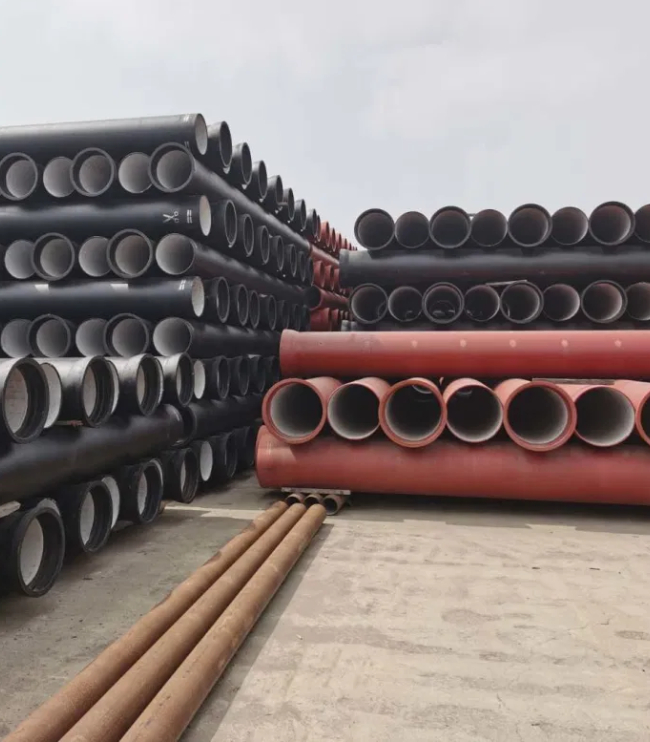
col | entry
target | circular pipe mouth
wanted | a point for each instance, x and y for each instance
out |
(94, 517)
(449, 227)
(261, 179)
(219, 292)
(19, 176)
(97, 392)
(201, 134)
(224, 140)
(93, 172)
(53, 257)
(278, 252)
(190, 426)
(302, 267)
(149, 491)
(89, 337)
(368, 303)
(642, 223)
(300, 215)
(25, 401)
(130, 253)
(529, 225)
(19, 261)
(200, 381)
(561, 302)
(14, 338)
(133, 173)
(638, 301)
(241, 165)
(171, 168)
(197, 296)
(205, 456)
(443, 303)
(126, 335)
(50, 337)
(606, 417)
(611, 223)
(412, 413)
(258, 375)
(116, 498)
(291, 257)
(540, 416)
(171, 336)
(522, 302)
(489, 228)
(569, 226)
(55, 390)
(482, 303)
(296, 410)
(38, 548)
(240, 375)
(603, 302)
(149, 385)
(288, 204)
(254, 309)
(405, 304)
(178, 379)
(239, 304)
(232, 457)
(93, 257)
(270, 311)
(188, 475)
(353, 412)
(284, 314)
(175, 254)
(32, 552)
(57, 177)
(220, 378)
(374, 229)
(474, 414)
(412, 230)
(263, 245)
(245, 234)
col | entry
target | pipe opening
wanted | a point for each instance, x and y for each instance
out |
(54, 257)
(638, 301)
(127, 337)
(642, 223)
(206, 460)
(171, 336)
(220, 378)
(239, 304)
(245, 234)
(93, 257)
(529, 226)
(522, 302)
(254, 309)
(246, 452)
(198, 297)
(149, 491)
(263, 245)
(353, 412)
(149, 385)
(243, 162)
(489, 228)
(291, 258)
(261, 178)
(411, 415)
(95, 517)
(474, 414)
(368, 303)
(205, 216)
(442, 303)
(175, 254)
(32, 552)
(284, 314)
(57, 177)
(405, 304)
(482, 303)
(570, 226)
(16, 398)
(39, 548)
(89, 337)
(603, 301)
(188, 474)
(130, 254)
(271, 311)
(605, 416)
(18, 177)
(302, 267)
(114, 491)
(240, 376)
(133, 173)
(219, 291)
(14, 338)
(171, 167)
(375, 229)
(449, 228)
(199, 379)
(97, 392)
(201, 134)
(50, 337)
(55, 394)
(18, 259)
(278, 252)
(296, 410)
(412, 230)
(93, 172)
(561, 302)
(538, 415)
(611, 223)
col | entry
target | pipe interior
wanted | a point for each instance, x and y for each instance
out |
(538, 415)
(199, 379)
(285, 314)
(561, 302)
(489, 227)
(254, 309)
(18, 259)
(172, 336)
(231, 456)
(638, 301)
(114, 491)
(205, 215)
(264, 245)
(54, 257)
(482, 303)
(442, 304)
(221, 375)
(198, 297)
(132, 255)
(19, 177)
(246, 233)
(133, 173)
(642, 223)
(201, 135)
(89, 337)
(521, 302)
(32, 552)
(153, 385)
(242, 304)
(14, 338)
(221, 296)
(206, 460)
(412, 229)
(450, 228)
(603, 302)
(411, 415)
(474, 414)
(368, 304)
(89, 391)
(605, 416)
(375, 230)
(52, 338)
(57, 177)
(353, 412)
(240, 375)
(570, 226)
(529, 226)
(405, 304)
(129, 337)
(17, 400)
(87, 518)
(93, 257)
(296, 410)
(55, 394)
(173, 169)
(154, 483)
(95, 173)
(611, 224)
(175, 254)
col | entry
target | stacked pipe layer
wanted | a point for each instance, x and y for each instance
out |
(143, 262)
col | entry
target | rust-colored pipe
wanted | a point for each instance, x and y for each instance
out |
(295, 498)
(353, 408)
(110, 718)
(296, 409)
(553, 353)
(324, 234)
(413, 413)
(50, 721)
(537, 415)
(333, 503)
(638, 392)
(474, 412)
(319, 274)
(313, 498)
(167, 716)
(317, 298)
(495, 470)
(605, 414)
(321, 319)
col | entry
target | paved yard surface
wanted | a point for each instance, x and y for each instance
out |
(406, 620)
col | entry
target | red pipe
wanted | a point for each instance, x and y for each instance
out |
(494, 470)
(474, 412)
(605, 414)
(555, 353)
(413, 413)
(638, 392)
(353, 408)
(317, 298)
(319, 273)
(320, 320)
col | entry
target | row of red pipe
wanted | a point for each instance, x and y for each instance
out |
(327, 300)
(537, 415)
(330, 240)
(327, 319)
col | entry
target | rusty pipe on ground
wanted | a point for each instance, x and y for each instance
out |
(605, 414)
(412, 413)
(353, 408)
(313, 498)
(638, 392)
(295, 498)
(474, 412)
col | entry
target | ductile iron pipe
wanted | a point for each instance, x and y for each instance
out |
(133, 173)
(482, 303)
(218, 304)
(141, 486)
(181, 471)
(561, 302)
(449, 227)
(17, 260)
(638, 392)
(474, 412)
(24, 401)
(240, 171)
(443, 303)
(239, 305)
(129, 254)
(224, 448)
(178, 379)
(412, 230)
(14, 338)
(603, 302)
(268, 312)
(570, 226)
(375, 229)
(92, 257)
(219, 151)
(489, 228)
(522, 302)
(606, 416)
(203, 451)
(200, 379)
(368, 303)
(529, 225)
(93, 172)
(353, 408)
(405, 304)
(254, 309)
(258, 373)
(245, 439)
(141, 384)
(57, 180)
(413, 413)
(240, 376)
(208, 418)
(218, 380)
(258, 186)
(612, 223)
(55, 389)
(87, 512)
(54, 257)
(128, 335)
(116, 497)
(20, 177)
(89, 337)
(638, 301)
(51, 336)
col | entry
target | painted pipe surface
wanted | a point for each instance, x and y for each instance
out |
(450, 227)
(353, 408)
(175, 335)
(606, 416)
(638, 392)
(412, 413)
(474, 411)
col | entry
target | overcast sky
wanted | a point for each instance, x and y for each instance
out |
(412, 104)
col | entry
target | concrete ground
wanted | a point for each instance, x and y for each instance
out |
(407, 619)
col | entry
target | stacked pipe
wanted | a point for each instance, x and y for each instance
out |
(143, 262)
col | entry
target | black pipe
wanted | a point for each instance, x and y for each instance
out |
(305, 318)
(561, 302)
(412, 230)
(256, 189)
(20, 177)
(245, 438)
(489, 228)
(443, 303)
(239, 305)
(17, 259)
(92, 257)
(277, 256)
(150, 299)
(638, 301)
(642, 223)
(127, 335)
(133, 173)
(116, 497)
(273, 374)
(141, 487)
(117, 136)
(73, 453)
(14, 338)
(181, 469)
(55, 389)
(200, 379)
(87, 512)
(241, 166)
(87, 390)
(368, 304)
(224, 449)
(178, 379)
(303, 272)
(261, 252)
(449, 228)
(218, 379)
(405, 304)
(54, 257)
(299, 221)
(129, 254)
(244, 243)
(482, 303)
(51, 336)
(57, 180)
(375, 229)
(218, 300)
(570, 226)
(611, 223)
(603, 302)
(212, 417)
(219, 154)
(529, 225)
(24, 401)
(522, 302)
(258, 376)
(189, 215)
(274, 191)
(89, 337)
(141, 384)
(287, 209)
(205, 455)
(240, 375)
(312, 226)
(93, 173)
(254, 309)
(295, 317)
(578, 266)
(284, 314)
(177, 255)
(290, 261)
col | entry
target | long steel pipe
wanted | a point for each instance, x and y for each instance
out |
(175, 335)
(606, 416)
(474, 411)
(494, 470)
(353, 408)
(412, 413)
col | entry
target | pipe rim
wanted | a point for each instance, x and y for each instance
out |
(601, 228)
(25, 400)
(172, 333)
(243, 159)
(89, 337)
(313, 403)
(374, 295)
(224, 144)
(450, 227)
(411, 230)
(608, 396)
(200, 382)
(254, 309)
(93, 172)
(129, 254)
(568, 298)
(277, 249)
(133, 173)
(114, 490)
(638, 301)
(55, 391)
(93, 521)
(488, 404)
(377, 235)
(410, 308)
(474, 306)
(50, 336)
(342, 418)
(220, 378)
(642, 223)
(239, 304)
(386, 410)
(18, 260)
(523, 232)
(175, 254)
(613, 291)
(97, 392)
(53, 257)
(522, 291)
(240, 375)
(14, 338)
(569, 226)
(245, 234)
(127, 335)
(261, 179)
(449, 295)
(149, 491)
(488, 228)
(93, 257)
(57, 179)
(19, 176)
(150, 384)
(186, 470)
